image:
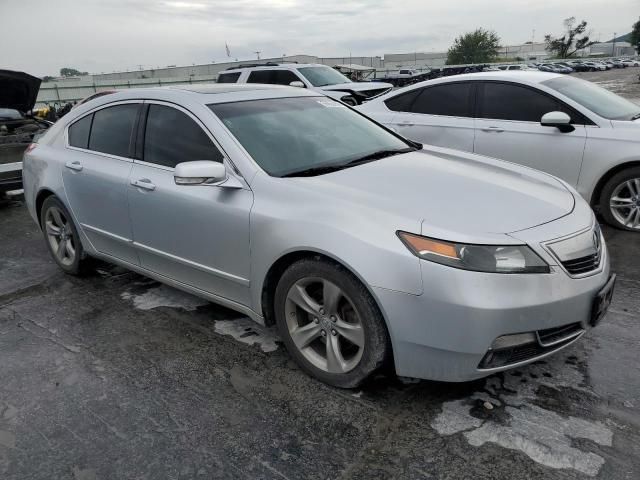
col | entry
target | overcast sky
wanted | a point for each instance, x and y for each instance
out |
(41, 36)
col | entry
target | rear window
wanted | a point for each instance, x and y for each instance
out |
(112, 128)
(228, 77)
(79, 132)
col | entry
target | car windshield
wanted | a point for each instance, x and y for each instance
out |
(286, 136)
(10, 114)
(323, 76)
(603, 102)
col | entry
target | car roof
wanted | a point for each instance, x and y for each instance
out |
(527, 76)
(201, 93)
(279, 66)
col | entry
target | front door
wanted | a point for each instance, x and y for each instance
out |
(195, 234)
(440, 115)
(508, 127)
(97, 167)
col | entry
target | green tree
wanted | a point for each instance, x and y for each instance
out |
(572, 40)
(635, 35)
(71, 72)
(480, 46)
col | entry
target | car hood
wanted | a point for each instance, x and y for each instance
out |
(358, 86)
(457, 196)
(18, 90)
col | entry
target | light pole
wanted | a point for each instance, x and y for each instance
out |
(613, 46)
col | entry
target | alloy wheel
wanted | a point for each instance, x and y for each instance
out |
(625, 203)
(60, 236)
(324, 325)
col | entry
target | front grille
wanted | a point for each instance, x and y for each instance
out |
(551, 336)
(582, 264)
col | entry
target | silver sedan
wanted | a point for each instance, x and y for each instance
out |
(363, 247)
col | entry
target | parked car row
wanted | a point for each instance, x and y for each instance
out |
(364, 247)
(585, 65)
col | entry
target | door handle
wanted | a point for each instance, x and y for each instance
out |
(406, 124)
(143, 183)
(493, 129)
(75, 165)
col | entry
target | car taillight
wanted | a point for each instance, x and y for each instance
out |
(31, 147)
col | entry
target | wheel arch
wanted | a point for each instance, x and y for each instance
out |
(40, 198)
(597, 191)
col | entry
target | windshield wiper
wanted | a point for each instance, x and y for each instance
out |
(321, 170)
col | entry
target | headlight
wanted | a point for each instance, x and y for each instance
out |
(478, 258)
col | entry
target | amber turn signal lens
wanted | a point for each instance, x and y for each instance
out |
(425, 246)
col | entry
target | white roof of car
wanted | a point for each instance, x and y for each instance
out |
(279, 66)
(528, 76)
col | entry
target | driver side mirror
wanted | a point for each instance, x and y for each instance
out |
(200, 172)
(560, 120)
(297, 83)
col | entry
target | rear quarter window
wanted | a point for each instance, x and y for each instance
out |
(79, 132)
(228, 77)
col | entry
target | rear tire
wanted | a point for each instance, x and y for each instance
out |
(330, 323)
(620, 200)
(61, 237)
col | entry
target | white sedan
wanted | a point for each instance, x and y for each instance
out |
(565, 126)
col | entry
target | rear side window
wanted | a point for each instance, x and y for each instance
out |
(172, 137)
(402, 102)
(112, 128)
(277, 77)
(79, 132)
(451, 99)
(504, 101)
(228, 77)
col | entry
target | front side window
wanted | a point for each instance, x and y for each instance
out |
(597, 99)
(504, 101)
(172, 137)
(323, 76)
(79, 132)
(290, 135)
(228, 77)
(451, 99)
(112, 129)
(260, 76)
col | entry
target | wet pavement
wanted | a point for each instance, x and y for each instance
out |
(114, 376)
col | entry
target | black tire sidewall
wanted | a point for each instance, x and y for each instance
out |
(76, 267)
(607, 191)
(377, 347)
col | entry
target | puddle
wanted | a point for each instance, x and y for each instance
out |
(516, 420)
(247, 331)
(164, 296)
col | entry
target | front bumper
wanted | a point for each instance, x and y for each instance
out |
(445, 333)
(10, 176)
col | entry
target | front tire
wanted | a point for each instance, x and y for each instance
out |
(62, 237)
(620, 200)
(330, 323)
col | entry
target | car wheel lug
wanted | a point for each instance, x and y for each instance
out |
(316, 321)
(324, 333)
(322, 311)
(334, 333)
(333, 318)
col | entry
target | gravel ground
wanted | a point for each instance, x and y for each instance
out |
(114, 376)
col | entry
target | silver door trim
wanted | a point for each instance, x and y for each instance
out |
(190, 263)
(106, 234)
(183, 286)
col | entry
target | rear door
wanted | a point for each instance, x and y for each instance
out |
(440, 114)
(98, 163)
(195, 234)
(508, 127)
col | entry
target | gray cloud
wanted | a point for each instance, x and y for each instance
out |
(97, 35)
